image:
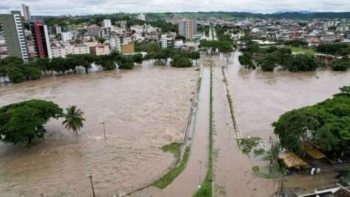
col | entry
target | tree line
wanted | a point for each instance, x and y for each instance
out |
(325, 125)
(272, 57)
(17, 71)
(334, 48)
(180, 58)
(25, 121)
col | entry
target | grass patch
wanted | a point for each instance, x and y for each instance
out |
(170, 176)
(307, 51)
(206, 189)
(173, 148)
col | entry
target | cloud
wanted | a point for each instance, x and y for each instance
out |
(82, 7)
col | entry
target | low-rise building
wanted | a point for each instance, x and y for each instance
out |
(128, 48)
(66, 36)
(62, 50)
(100, 49)
(152, 36)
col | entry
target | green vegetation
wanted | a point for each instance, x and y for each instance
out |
(170, 176)
(325, 125)
(173, 148)
(17, 71)
(206, 189)
(334, 48)
(307, 51)
(248, 145)
(181, 61)
(24, 121)
(341, 64)
(269, 58)
(73, 119)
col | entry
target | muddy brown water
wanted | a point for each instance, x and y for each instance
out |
(144, 108)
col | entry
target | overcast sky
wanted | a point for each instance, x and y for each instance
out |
(59, 7)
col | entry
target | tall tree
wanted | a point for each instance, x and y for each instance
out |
(24, 121)
(73, 119)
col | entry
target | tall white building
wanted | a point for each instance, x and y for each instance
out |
(116, 42)
(26, 12)
(141, 17)
(107, 23)
(186, 28)
(66, 36)
(164, 41)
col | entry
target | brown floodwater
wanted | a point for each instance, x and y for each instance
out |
(144, 108)
(261, 97)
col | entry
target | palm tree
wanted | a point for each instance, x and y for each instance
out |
(73, 119)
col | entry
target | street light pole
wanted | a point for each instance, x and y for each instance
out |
(92, 186)
(104, 128)
(200, 174)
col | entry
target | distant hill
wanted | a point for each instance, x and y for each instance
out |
(299, 12)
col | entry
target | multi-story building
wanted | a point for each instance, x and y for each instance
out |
(163, 41)
(194, 25)
(186, 28)
(107, 23)
(41, 39)
(13, 28)
(105, 32)
(93, 30)
(55, 30)
(100, 49)
(66, 36)
(26, 12)
(62, 50)
(115, 42)
(141, 17)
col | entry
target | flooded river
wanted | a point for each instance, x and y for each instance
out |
(143, 108)
(261, 97)
(146, 108)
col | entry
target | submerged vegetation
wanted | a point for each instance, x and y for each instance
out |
(174, 172)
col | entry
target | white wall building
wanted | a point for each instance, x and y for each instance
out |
(141, 17)
(115, 42)
(66, 36)
(106, 23)
(164, 41)
(64, 50)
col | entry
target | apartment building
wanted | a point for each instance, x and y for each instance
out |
(66, 36)
(141, 17)
(164, 41)
(186, 28)
(107, 23)
(13, 28)
(100, 49)
(26, 12)
(41, 39)
(62, 50)
(93, 30)
(55, 30)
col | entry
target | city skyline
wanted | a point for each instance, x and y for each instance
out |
(84, 7)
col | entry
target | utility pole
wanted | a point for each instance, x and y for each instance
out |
(92, 185)
(200, 174)
(104, 128)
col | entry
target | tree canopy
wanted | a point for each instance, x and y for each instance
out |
(25, 121)
(325, 125)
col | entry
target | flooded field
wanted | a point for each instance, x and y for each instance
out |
(144, 109)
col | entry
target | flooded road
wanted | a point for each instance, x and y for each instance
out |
(233, 170)
(144, 108)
